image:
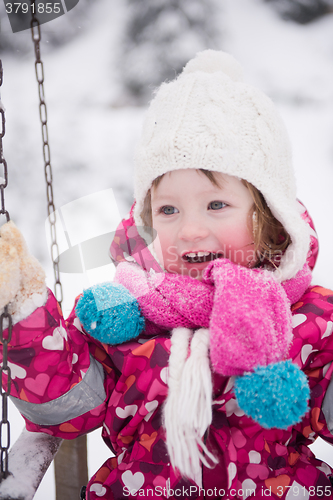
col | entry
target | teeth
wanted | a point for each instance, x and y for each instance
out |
(197, 254)
(202, 256)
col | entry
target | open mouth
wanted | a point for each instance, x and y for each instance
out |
(199, 257)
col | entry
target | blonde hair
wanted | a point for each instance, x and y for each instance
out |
(269, 236)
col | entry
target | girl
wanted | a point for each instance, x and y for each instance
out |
(211, 300)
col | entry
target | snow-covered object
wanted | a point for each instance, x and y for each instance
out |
(9, 272)
(28, 461)
(22, 278)
(205, 119)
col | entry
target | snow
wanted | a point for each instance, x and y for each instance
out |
(92, 140)
(30, 456)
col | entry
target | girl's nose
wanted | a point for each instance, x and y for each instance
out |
(193, 230)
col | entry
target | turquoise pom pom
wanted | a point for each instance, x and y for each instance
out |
(275, 396)
(109, 313)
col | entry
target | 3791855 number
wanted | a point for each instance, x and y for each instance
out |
(38, 8)
(311, 491)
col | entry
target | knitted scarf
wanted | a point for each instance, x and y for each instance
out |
(246, 310)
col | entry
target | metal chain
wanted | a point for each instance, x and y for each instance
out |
(39, 69)
(5, 322)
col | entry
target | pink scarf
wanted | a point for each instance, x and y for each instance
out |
(246, 310)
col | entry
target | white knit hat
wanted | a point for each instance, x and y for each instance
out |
(208, 118)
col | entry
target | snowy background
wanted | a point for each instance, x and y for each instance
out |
(94, 121)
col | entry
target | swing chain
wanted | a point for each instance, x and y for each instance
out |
(4, 179)
(5, 322)
(39, 69)
(5, 369)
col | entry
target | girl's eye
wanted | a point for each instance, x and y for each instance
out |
(216, 205)
(168, 210)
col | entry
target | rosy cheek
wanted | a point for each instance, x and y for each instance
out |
(239, 234)
(238, 244)
(234, 239)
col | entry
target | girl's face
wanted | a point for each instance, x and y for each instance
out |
(197, 221)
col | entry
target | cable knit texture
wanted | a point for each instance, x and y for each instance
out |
(208, 118)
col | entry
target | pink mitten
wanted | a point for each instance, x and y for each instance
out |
(251, 319)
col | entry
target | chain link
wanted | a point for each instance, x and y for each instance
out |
(5, 323)
(3, 163)
(39, 69)
(5, 317)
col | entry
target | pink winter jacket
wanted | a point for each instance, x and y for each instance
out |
(65, 383)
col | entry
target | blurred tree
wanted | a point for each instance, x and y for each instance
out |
(160, 36)
(302, 11)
